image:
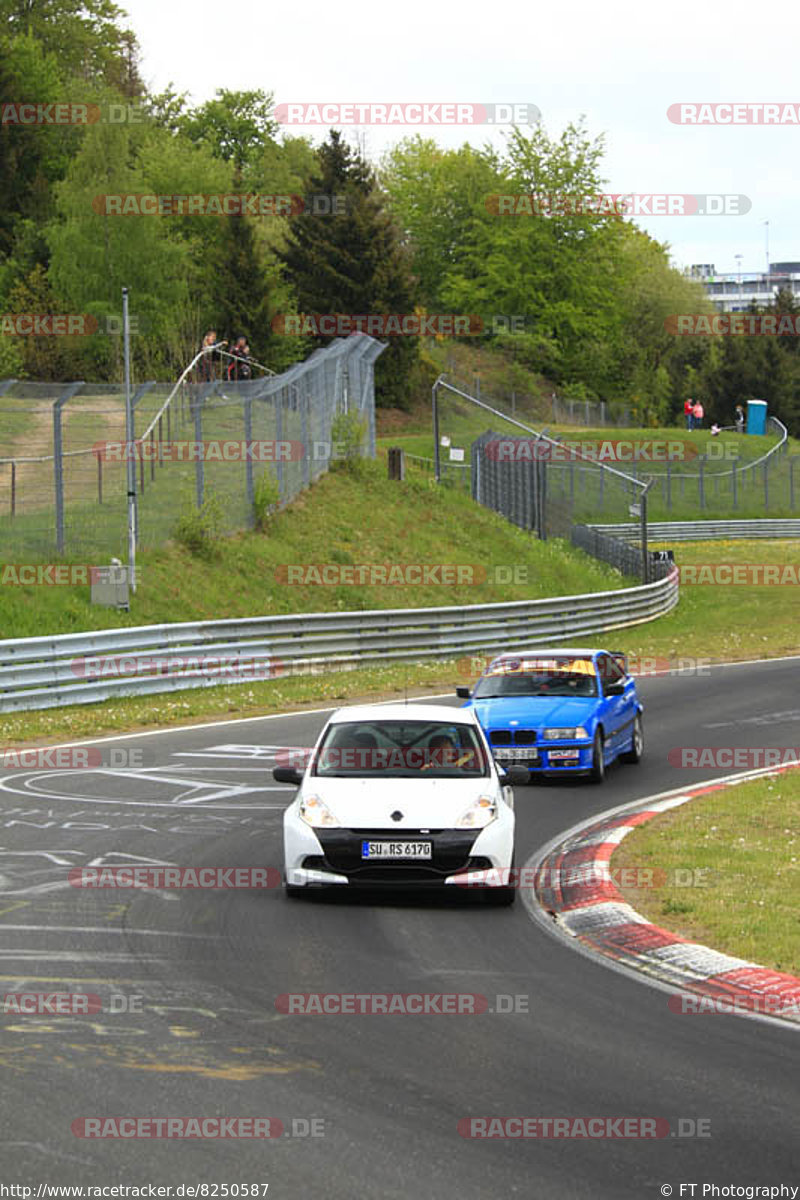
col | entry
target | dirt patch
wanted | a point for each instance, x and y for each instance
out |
(34, 483)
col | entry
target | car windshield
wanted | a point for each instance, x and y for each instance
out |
(401, 750)
(520, 677)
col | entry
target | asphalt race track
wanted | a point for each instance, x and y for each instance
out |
(385, 1092)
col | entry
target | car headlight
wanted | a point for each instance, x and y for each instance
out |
(314, 811)
(566, 735)
(479, 814)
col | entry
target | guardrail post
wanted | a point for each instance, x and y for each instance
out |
(58, 464)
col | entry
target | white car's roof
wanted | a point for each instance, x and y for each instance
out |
(407, 712)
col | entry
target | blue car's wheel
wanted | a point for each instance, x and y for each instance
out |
(634, 755)
(598, 772)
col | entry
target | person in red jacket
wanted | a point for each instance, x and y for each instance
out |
(688, 405)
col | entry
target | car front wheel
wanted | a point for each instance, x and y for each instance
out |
(598, 771)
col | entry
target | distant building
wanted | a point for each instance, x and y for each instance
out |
(735, 291)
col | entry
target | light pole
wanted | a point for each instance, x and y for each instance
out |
(739, 258)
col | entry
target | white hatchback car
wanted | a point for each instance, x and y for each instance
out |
(404, 796)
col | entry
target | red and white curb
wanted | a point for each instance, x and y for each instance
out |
(573, 885)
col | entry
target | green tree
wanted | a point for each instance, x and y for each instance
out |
(235, 126)
(353, 262)
(87, 36)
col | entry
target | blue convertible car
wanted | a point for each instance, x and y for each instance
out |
(559, 712)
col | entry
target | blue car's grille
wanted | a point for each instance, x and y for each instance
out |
(522, 737)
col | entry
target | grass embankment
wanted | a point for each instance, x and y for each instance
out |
(348, 520)
(740, 847)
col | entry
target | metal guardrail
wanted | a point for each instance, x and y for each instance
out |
(699, 531)
(82, 668)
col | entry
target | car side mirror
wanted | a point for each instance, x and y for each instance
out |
(515, 775)
(287, 775)
(615, 689)
(463, 692)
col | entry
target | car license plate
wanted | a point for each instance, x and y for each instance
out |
(517, 753)
(557, 755)
(396, 850)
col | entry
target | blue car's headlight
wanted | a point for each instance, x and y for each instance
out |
(565, 735)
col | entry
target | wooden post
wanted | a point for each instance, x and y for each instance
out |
(397, 463)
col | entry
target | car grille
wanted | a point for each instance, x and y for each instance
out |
(451, 854)
(521, 737)
(394, 873)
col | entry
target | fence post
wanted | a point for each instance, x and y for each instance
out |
(766, 485)
(701, 481)
(645, 560)
(669, 485)
(247, 414)
(791, 484)
(99, 477)
(279, 438)
(733, 482)
(58, 464)
(303, 398)
(199, 476)
(161, 441)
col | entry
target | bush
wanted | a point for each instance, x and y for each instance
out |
(198, 529)
(347, 435)
(266, 498)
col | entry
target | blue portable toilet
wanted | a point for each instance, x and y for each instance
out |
(756, 416)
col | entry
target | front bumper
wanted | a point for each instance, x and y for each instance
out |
(556, 758)
(326, 857)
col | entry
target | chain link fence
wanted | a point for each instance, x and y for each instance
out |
(64, 455)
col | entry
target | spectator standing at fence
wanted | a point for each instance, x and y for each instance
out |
(688, 405)
(207, 367)
(739, 418)
(698, 413)
(234, 368)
